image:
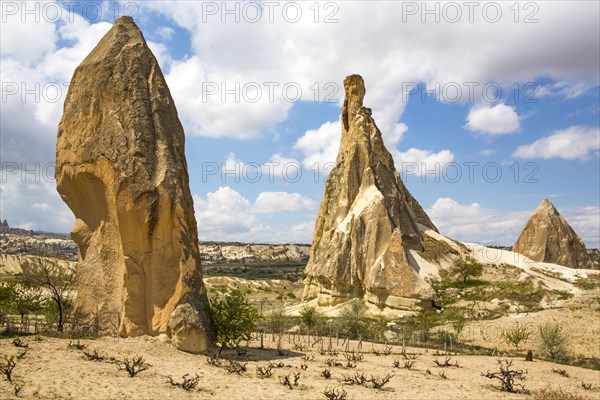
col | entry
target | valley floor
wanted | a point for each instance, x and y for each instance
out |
(50, 370)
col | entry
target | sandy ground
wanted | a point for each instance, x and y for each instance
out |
(579, 317)
(51, 371)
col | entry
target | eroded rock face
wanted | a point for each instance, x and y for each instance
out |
(366, 222)
(120, 167)
(548, 237)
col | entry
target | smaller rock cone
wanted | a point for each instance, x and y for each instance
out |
(547, 237)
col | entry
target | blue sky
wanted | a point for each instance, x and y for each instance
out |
(433, 74)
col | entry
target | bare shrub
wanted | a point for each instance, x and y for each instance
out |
(187, 382)
(17, 387)
(350, 364)
(7, 366)
(330, 362)
(214, 360)
(561, 372)
(336, 393)
(378, 382)
(407, 363)
(264, 372)
(352, 356)
(387, 350)
(290, 380)
(446, 363)
(236, 367)
(308, 357)
(443, 375)
(326, 373)
(22, 354)
(586, 386)
(93, 355)
(304, 367)
(76, 345)
(19, 343)
(356, 379)
(508, 376)
(133, 366)
(300, 347)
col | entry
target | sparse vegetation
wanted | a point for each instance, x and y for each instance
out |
(561, 372)
(555, 394)
(508, 376)
(264, 372)
(466, 267)
(290, 380)
(187, 383)
(446, 363)
(553, 340)
(133, 366)
(7, 365)
(326, 373)
(236, 367)
(435, 250)
(516, 334)
(336, 393)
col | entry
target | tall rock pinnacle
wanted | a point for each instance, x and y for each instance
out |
(121, 168)
(547, 237)
(367, 220)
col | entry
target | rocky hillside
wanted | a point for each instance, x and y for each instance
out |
(24, 242)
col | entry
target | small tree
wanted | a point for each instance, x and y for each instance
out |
(27, 299)
(516, 334)
(552, 340)
(353, 318)
(58, 280)
(466, 268)
(233, 318)
(311, 318)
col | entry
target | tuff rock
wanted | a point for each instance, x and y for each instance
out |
(548, 237)
(367, 221)
(121, 169)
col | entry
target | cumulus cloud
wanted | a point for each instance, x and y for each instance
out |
(496, 120)
(273, 202)
(575, 142)
(320, 146)
(421, 162)
(474, 223)
(227, 215)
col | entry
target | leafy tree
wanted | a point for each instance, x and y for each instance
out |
(516, 334)
(466, 268)
(353, 318)
(56, 279)
(553, 340)
(27, 299)
(233, 318)
(311, 318)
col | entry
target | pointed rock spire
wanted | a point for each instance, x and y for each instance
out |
(547, 237)
(121, 168)
(367, 220)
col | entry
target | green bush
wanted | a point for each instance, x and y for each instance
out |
(466, 268)
(233, 318)
(553, 340)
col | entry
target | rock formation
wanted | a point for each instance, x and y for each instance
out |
(547, 237)
(366, 222)
(120, 167)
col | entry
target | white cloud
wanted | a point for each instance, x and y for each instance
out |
(575, 142)
(273, 202)
(320, 146)
(226, 215)
(499, 119)
(568, 90)
(473, 223)
(487, 152)
(421, 162)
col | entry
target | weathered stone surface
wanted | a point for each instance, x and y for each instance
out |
(120, 167)
(547, 237)
(366, 222)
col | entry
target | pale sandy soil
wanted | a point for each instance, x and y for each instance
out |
(51, 371)
(579, 317)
